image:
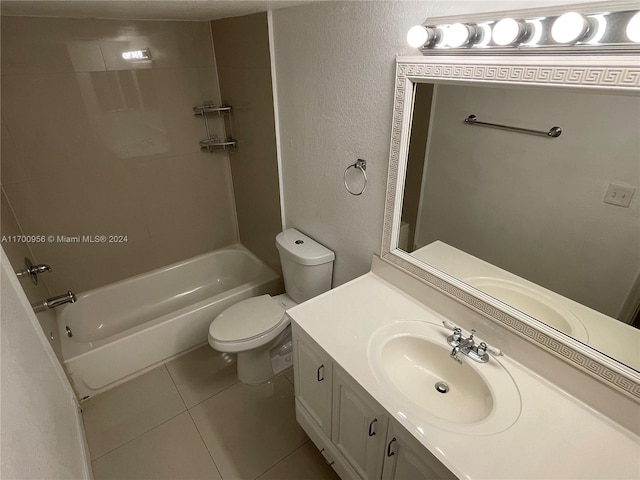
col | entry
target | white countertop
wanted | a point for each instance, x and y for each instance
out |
(556, 436)
(606, 334)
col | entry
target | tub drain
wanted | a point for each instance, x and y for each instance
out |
(442, 387)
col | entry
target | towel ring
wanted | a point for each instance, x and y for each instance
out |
(359, 165)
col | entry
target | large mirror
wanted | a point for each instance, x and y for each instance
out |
(532, 226)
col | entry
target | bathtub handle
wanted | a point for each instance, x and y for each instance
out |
(321, 367)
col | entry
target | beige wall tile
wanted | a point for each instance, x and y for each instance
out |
(42, 45)
(244, 69)
(172, 44)
(114, 152)
(16, 252)
(194, 193)
(12, 165)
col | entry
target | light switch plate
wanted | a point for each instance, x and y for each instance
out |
(619, 195)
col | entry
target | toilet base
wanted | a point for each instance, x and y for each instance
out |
(261, 364)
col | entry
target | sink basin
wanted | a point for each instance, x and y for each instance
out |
(411, 361)
(536, 304)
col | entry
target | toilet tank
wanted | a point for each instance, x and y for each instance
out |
(307, 266)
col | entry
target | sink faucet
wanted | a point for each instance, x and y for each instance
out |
(467, 346)
(463, 345)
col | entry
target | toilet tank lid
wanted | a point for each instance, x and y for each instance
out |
(303, 249)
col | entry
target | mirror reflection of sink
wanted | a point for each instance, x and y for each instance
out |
(412, 358)
(535, 304)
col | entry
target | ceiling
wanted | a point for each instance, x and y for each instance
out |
(143, 9)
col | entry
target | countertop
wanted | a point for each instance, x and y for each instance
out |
(556, 436)
(605, 334)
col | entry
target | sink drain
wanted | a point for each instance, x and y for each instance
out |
(442, 387)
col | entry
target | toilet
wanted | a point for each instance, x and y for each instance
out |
(258, 329)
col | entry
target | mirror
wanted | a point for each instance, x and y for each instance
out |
(518, 225)
(525, 218)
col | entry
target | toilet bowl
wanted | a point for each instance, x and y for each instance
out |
(258, 329)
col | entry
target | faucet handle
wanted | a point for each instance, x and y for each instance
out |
(450, 325)
(457, 334)
(496, 352)
(482, 348)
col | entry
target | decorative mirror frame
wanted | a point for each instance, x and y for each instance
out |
(607, 73)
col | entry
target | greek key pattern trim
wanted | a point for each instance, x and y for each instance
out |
(590, 76)
(584, 75)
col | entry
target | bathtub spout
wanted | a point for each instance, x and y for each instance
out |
(54, 302)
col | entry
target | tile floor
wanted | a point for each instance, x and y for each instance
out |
(190, 419)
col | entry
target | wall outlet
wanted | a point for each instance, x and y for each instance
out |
(619, 195)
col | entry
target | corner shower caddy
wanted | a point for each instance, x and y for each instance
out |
(213, 143)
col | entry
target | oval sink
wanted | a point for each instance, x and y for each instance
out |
(412, 358)
(535, 304)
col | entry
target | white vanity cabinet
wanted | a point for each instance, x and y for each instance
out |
(359, 426)
(354, 433)
(313, 373)
(407, 459)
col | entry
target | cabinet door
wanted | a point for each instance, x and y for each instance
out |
(359, 426)
(406, 459)
(312, 370)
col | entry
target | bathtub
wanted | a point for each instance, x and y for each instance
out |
(123, 328)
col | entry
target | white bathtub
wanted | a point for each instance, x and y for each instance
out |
(123, 328)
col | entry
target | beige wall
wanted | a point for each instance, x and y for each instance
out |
(532, 205)
(16, 252)
(244, 71)
(93, 145)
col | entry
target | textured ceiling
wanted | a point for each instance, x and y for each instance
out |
(143, 9)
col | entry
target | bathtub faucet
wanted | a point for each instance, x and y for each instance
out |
(54, 302)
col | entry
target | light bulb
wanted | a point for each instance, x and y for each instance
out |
(600, 22)
(417, 36)
(536, 26)
(484, 36)
(457, 35)
(569, 28)
(633, 28)
(507, 32)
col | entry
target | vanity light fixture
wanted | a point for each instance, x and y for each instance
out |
(611, 27)
(509, 32)
(600, 27)
(484, 35)
(570, 27)
(137, 55)
(536, 32)
(458, 35)
(417, 36)
(633, 28)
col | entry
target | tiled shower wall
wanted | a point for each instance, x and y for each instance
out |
(244, 72)
(93, 145)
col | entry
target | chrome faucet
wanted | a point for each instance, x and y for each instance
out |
(32, 271)
(460, 344)
(467, 346)
(54, 302)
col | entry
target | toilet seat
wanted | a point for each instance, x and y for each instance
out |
(248, 324)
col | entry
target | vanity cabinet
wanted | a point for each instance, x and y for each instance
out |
(407, 459)
(313, 373)
(353, 432)
(359, 426)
